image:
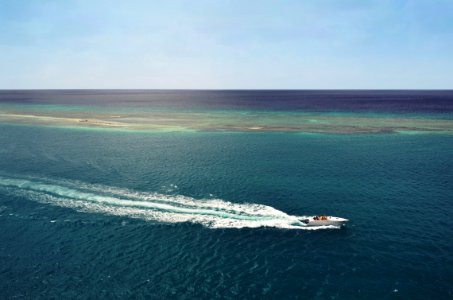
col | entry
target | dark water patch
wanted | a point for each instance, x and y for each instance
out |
(399, 101)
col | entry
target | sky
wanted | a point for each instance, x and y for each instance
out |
(221, 44)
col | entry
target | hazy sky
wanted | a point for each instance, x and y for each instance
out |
(226, 44)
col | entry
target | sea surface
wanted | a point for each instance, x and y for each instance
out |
(138, 201)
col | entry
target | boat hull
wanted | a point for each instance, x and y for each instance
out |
(329, 221)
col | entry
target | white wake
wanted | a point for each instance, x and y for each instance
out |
(213, 213)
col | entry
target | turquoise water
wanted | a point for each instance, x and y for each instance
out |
(108, 213)
(59, 241)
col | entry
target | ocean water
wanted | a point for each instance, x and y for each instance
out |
(96, 212)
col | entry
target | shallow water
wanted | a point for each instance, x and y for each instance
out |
(340, 112)
(115, 214)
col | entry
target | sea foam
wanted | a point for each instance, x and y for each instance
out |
(150, 206)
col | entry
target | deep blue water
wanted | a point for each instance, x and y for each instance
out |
(390, 101)
(396, 189)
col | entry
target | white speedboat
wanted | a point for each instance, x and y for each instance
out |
(324, 221)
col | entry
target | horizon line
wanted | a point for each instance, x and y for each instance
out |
(226, 89)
